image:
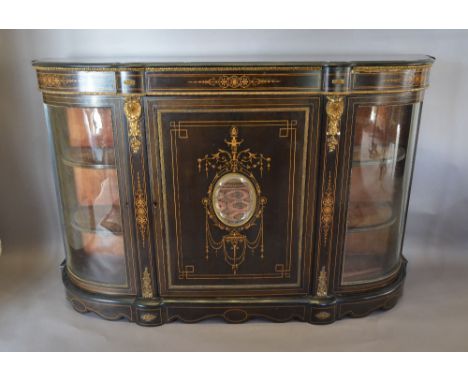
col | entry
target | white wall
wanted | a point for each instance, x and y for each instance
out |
(437, 229)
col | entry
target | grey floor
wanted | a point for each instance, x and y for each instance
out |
(432, 315)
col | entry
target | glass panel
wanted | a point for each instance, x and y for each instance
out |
(234, 199)
(90, 193)
(382, 157)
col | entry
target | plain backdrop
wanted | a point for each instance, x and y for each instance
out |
(436, 243)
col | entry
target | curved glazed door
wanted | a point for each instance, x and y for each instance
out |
(380, 155)
(233, 185)
(91, 163)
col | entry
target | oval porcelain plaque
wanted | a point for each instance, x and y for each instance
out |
(234, 199)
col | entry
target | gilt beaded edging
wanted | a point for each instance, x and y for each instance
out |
(252, 92)
(179, 68)
(355, 69)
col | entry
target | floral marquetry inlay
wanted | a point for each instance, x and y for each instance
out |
(147, 317)
(235, 82)
(141, 211)
(234, 202)
(55, 80)
(328, 204)
(322, 315)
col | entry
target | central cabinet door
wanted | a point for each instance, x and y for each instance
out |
(233, 191)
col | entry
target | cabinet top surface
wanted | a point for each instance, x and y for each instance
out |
(328, 60)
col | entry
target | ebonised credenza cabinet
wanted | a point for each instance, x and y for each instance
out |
(272, 190)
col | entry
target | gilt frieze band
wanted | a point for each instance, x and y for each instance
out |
(143, 80)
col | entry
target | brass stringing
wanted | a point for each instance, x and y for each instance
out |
(234, 244)
(54, 81)
(146, 287)
(235, 82)
(334, 109)
(322, 287)
(328, 202)
(141, 211)
(132, 109)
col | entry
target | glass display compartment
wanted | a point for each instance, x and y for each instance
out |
(381, 167)
(86, 164)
